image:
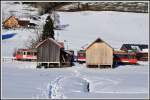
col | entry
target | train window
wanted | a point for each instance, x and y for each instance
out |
(18, 52)
(35, 53)
(81, 54)
(129, 57)
(124, 56)
(133, 57)
(121, 56)
(21, 53)
(24, 53)
(28, 53)
(117, 55)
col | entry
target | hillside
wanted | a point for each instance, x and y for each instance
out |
(138, 7)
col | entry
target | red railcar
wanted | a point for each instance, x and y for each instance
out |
(142, 56)
(81, 56)
(125, 58)
(26, 54)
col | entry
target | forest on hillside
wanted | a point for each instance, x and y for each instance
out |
(138, 7)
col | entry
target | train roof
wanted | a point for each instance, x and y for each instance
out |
(31, 50)
(123, 52)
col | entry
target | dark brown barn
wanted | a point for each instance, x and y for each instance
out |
(23, 23)
(50, 53)
(141, 50)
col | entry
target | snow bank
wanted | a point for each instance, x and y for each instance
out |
(123, 82)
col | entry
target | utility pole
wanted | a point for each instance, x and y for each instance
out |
(66, 43)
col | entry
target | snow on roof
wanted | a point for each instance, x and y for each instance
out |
(24, 18)
(144, 50)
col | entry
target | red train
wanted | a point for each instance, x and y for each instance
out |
(124, 57)
(120, 57)
(81, 56)
(26, 54)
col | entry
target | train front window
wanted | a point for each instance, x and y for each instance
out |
(81, 54)
(19, 53)
(121, 56)
(35, 53)
(125, 56)
(28, 53)
(131, 57)
(24, 53)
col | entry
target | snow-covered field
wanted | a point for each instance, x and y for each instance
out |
(23, 80)
(19, 10)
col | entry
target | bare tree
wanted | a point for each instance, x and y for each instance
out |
(33, 41)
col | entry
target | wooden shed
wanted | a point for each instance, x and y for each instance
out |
(66, 58)
(11, 22)
(99, 54)
(51, 53)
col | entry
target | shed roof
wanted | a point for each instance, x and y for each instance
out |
(62, 44)
(68, 52)
(98, 40)
(49, 39)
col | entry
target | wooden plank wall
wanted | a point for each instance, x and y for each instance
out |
(48, 52)
(99, 54)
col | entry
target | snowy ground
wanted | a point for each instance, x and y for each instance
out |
(19, 10)
(23, 80)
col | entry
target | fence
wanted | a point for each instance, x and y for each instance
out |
(7, 59)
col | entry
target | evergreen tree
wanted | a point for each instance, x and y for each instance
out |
(48, 29)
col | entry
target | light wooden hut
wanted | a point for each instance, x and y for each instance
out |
(99, 54)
